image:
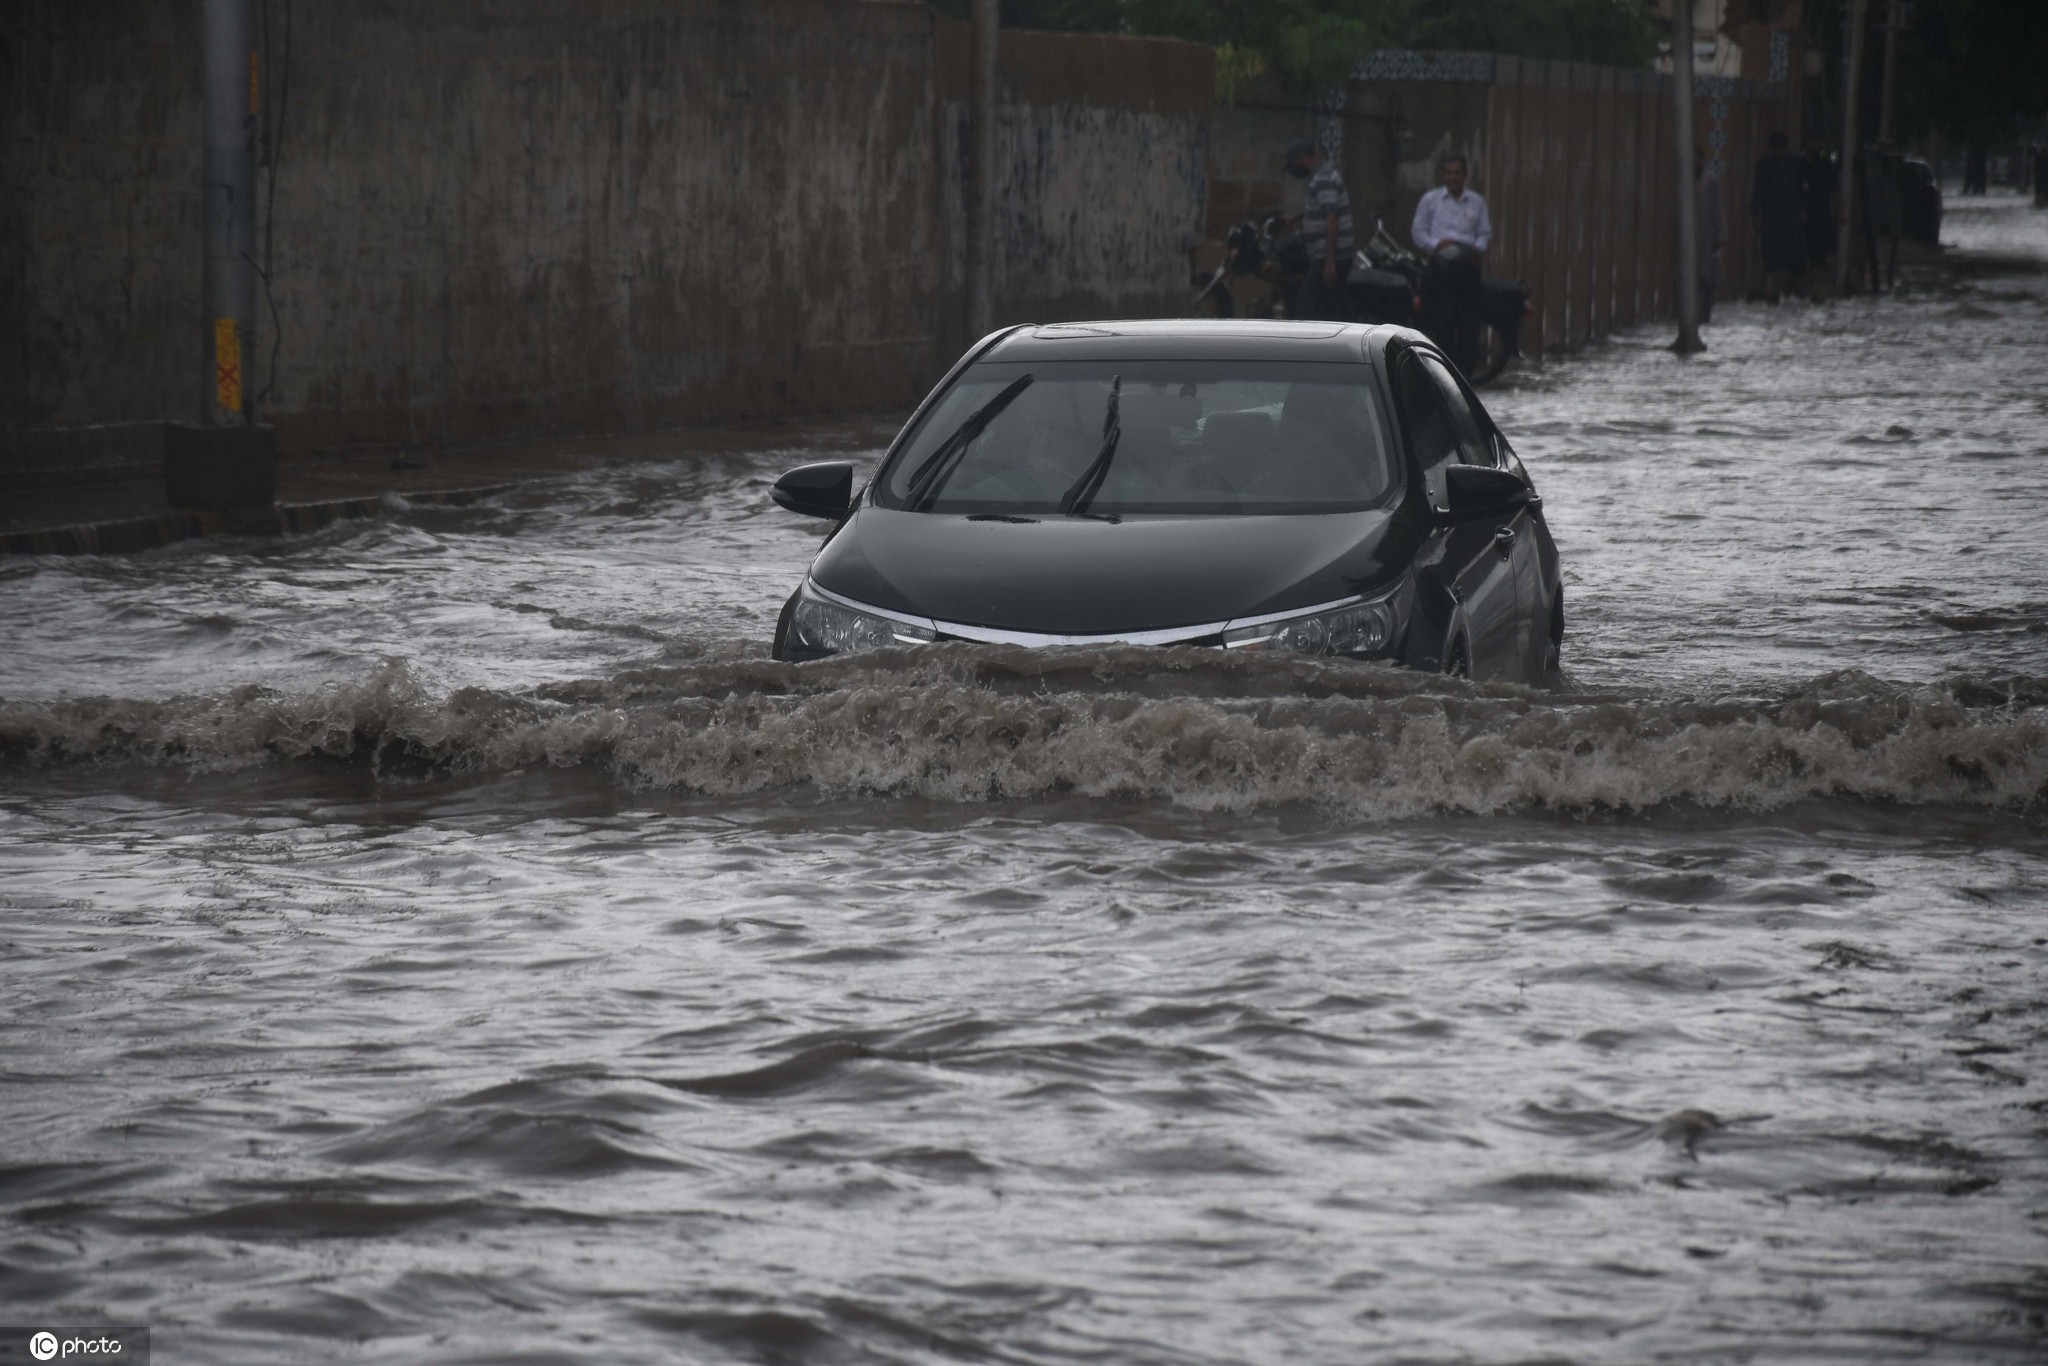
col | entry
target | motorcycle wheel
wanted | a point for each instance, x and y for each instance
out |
(1493, 356)
(1217, 303)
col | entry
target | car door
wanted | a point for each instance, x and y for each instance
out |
(1474, 557)
(1525, 548)
(1535, 565)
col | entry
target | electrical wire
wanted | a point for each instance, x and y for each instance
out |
(276, 131)
(276, 327)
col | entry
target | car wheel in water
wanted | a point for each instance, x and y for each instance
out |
(1553, 654)
(782, 626)
(1457, 658)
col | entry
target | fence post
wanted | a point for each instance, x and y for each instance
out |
(1502, 194)
(1607, 148)
(232, 93)
(1854, 96)
(1529, 231)
(1893, 22)
(1688, 201)
(1627, 199)
(981, 186)
(1557, 112)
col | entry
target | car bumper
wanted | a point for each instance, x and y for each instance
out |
(917, 630)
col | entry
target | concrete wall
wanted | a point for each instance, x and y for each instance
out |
(603, 214)
(529, 216)
(100, 215)
(1101, 145)
(1246, 142)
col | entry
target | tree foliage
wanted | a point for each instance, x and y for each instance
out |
(1972, 70)
(1611, 32)
(1982, 65)
(1312, 43)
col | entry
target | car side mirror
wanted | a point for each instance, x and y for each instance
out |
(821, 490)
(1476, 491)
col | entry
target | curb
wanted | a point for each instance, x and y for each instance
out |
(283, 519)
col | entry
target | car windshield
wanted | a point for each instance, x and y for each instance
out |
(1117, 438)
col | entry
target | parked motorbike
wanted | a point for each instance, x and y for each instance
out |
(1385, 284)
(1263, 261)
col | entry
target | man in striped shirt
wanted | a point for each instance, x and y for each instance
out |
(1325, 231)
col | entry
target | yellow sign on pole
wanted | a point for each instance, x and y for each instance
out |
(227, 365)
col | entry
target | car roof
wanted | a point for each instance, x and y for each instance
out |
(1190, 339)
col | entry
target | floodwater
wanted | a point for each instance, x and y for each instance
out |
(450, 938)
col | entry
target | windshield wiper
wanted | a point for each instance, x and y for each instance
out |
(931, 476)
(1077, 498)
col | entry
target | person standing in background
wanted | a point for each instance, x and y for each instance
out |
(1818, 206)
(1452, 231)
(1711, 225)
(1325, 231)
(1777, 202)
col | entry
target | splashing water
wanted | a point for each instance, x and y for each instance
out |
(451, 938)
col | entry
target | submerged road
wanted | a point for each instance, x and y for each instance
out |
(451, 938)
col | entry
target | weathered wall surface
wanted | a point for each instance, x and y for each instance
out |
(1101, 143)
(100, 215)
(1246, 142)
(528, 216)
(537, 215)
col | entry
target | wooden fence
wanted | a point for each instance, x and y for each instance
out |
(1576, 163)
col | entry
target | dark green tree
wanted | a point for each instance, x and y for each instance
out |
(1611, 32)
(1971, 70)
(1983, 68)
(1312, 43)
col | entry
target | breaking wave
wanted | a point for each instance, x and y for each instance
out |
(1210, 731)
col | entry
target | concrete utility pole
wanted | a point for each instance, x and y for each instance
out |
(224, 461)
(233, 96)
(981, 188)
(1688, 341)
(1858, 16)
(1894, 20)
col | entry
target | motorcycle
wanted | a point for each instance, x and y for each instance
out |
(1385, 284)
(1266, 263)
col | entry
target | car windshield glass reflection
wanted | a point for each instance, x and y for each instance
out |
(1193, 438)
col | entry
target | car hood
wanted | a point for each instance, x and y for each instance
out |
(1083, 576)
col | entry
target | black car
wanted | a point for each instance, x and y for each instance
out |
(1322, 488)
(1920, 201)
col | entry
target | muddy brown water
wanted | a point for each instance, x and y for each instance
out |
(450, 938)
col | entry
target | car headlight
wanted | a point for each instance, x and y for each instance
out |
(1359, 630)
(831, 628)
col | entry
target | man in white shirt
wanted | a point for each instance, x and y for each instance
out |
(1452, 231)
